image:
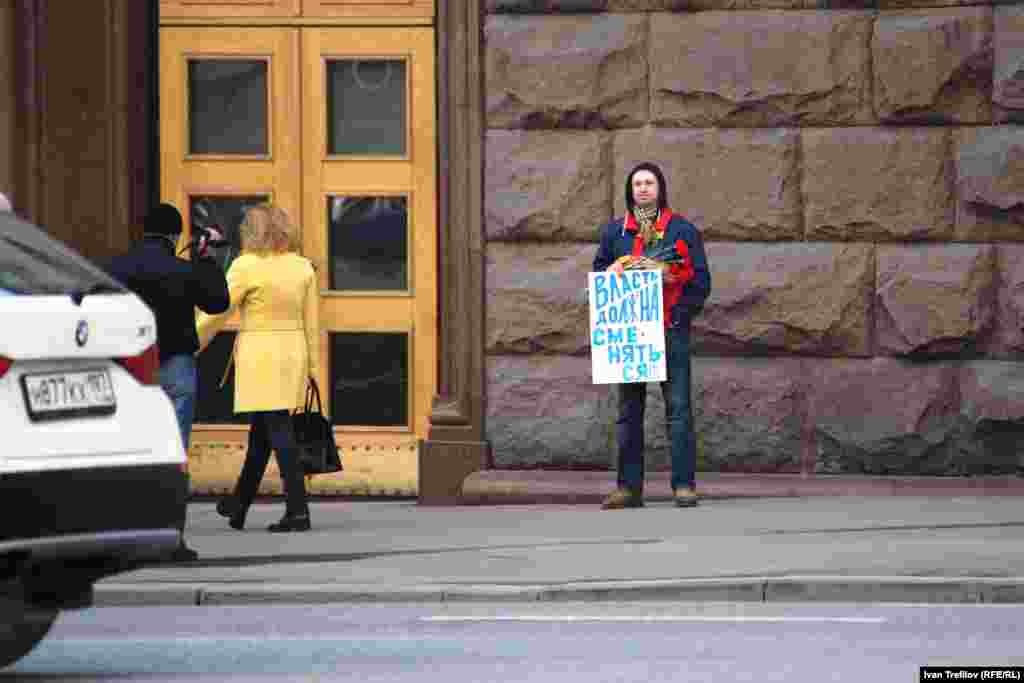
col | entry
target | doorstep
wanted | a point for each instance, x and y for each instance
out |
(511, 487)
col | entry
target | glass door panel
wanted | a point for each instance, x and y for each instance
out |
(228, 101)
(366, 101)
(370, 379)
(225, 214)
(368, 241)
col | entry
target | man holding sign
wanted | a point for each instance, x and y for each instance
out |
(647, 242)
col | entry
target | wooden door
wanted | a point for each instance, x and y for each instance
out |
(338, 126)
(369, 205)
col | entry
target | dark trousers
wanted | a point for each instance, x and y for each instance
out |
(272, 430)
(678, 418)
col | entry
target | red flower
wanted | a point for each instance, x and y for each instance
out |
(682, 249)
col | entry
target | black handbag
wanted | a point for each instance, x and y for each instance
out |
(318, 454)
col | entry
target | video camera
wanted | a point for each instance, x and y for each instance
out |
(201, 231)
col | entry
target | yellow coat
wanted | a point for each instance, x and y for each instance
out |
(278, 342)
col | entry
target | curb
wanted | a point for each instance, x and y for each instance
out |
(779, 589)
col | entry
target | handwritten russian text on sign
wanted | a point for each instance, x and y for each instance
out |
(627, 332)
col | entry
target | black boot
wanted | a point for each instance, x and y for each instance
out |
(291, 523)
(184, 554)
(230, 507)
(237, 520)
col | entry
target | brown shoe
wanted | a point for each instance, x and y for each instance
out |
(623, 498)
(685, 498)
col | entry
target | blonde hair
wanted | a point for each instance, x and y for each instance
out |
(287, 229)
(268, 228)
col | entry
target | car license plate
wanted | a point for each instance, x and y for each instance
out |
(59, 395)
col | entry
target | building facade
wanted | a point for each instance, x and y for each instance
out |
(855, 168)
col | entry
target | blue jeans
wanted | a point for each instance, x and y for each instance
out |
(678, 418)
(179, 381)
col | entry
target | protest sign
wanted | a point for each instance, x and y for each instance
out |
(627, 331)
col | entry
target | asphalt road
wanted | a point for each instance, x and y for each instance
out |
(523, 642)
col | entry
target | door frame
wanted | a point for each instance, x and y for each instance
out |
(456, 444)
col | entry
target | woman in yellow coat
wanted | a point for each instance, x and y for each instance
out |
(277, 349)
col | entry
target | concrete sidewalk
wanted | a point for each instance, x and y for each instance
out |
(847, 548)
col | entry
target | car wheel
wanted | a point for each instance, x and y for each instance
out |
(21, 628)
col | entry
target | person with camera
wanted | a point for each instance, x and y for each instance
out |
(173, 288)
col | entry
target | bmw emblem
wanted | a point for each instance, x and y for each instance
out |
(82, 333)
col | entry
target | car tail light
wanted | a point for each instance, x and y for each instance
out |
(144, 367)
(5, 365)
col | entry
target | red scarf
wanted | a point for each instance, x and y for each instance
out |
(683, 271)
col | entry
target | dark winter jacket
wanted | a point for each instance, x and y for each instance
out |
(172, 288)
(617, 241)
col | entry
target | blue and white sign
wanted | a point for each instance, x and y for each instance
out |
(627, 331)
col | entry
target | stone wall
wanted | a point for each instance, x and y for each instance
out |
(857, 170)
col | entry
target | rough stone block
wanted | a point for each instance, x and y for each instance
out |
(727, 439)
(926, 4)
(657, 455)
(878, 184)
(1008, 90)
(544, 411)
(934, 299)
(839, 4)
(732, 184)
(537, 299)
(791, 298)
(566, 71)
(649, 5)
(1007, 339)
(547, 185)
(749, 413)
(934, 66)
(990, 183)
(992, 400)
(582, 6)
(754, 69)
(882, 416)
(591, 6)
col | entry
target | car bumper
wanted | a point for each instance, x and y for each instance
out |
(129, 546)
(130, 513)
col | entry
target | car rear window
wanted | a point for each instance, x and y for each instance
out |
(33, 263)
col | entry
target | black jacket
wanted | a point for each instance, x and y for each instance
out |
(172, 288)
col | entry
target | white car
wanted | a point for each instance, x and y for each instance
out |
(92, 467)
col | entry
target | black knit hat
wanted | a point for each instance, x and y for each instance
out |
(662, 186)
(164, 219)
